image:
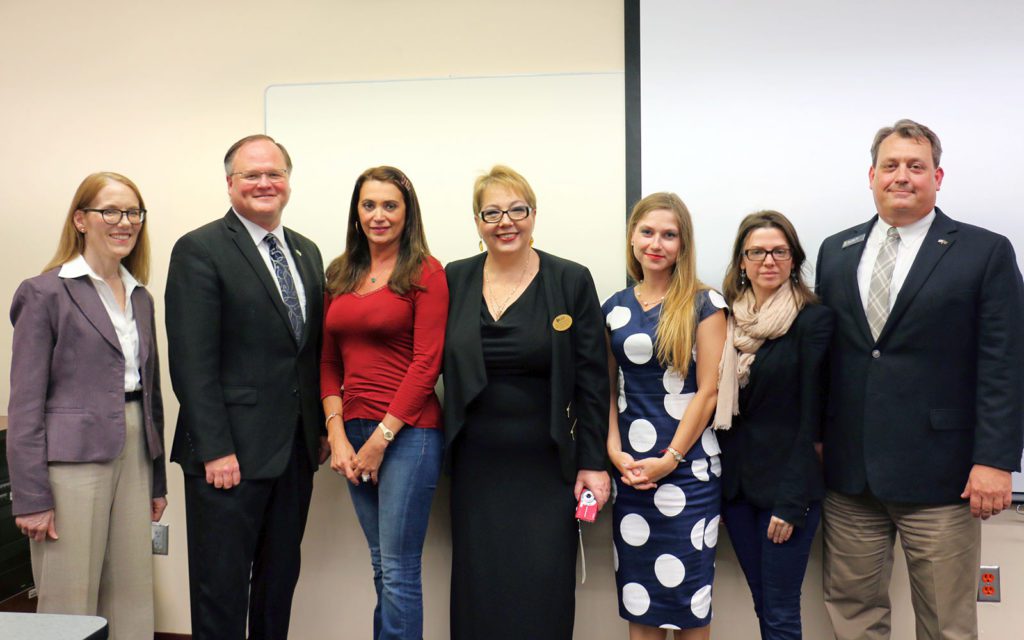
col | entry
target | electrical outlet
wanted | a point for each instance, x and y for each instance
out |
(988, 585)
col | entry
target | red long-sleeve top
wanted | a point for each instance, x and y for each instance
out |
(382, 351)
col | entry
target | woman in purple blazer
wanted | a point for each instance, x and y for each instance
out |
(85, 429)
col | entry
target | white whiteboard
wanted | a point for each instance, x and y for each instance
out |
(565, 133)
(748, 105)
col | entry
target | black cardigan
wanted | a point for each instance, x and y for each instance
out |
(768, 455)
(579, 372)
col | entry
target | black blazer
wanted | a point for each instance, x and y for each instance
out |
(942, 387)
(579, 374)
(242, 380)
(768, 455)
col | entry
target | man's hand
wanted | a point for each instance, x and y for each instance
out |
(223, 473)
(989, 489)
(37, 526)
(597, 481)
(156, 508)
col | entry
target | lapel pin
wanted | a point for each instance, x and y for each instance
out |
(943, 241)
(562, 322)
(854, 240)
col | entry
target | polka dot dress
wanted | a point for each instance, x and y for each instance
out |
(665, 538)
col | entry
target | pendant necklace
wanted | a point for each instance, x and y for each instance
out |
(500, 309)
(647, 306)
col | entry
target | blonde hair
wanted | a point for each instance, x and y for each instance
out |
(677, 325)
(506, 177)
(72, 241)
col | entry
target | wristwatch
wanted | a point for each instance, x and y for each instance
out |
(389, 435)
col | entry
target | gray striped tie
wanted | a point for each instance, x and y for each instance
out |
(881, 279)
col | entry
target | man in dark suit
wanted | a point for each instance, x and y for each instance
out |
(924, 422)
(244, 306)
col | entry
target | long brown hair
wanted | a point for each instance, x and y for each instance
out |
(347, 270)
(72, 241)
(735, 285)
(677, 325)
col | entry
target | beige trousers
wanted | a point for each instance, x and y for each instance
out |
(102, 563)
(942, 545)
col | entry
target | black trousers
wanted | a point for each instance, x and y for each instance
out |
(243, 551)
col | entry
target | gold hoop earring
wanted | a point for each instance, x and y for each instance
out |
(356, 225)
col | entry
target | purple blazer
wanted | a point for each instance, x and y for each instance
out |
(67, 385)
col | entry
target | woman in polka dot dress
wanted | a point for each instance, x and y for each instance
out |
(666, 338)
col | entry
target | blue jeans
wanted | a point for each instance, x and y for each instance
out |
(775, 572)
(393, 515)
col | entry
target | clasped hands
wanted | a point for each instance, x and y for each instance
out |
(644, 473)
(361, 466)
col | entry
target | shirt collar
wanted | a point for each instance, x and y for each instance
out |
(258, 233)
(916, 230)
(78, 267)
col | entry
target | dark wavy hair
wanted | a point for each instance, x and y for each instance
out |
(347, 270)
(735, 286)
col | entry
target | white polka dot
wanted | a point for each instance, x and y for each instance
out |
(670, 570)
(716, 466)
(635, 598)
(700, 603)
(670, 626)
(699, 468)
(642, 435)
(672, 381)
(622, 391)
(709, 441)
(717, 299)
(711, 532)
(697, 535)
(676, 403)
(634, 529)
(615, 558)
(669, 499)
(638, 348)
(618, 317)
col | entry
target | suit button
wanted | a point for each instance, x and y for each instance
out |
(876, 354)
(295, 392)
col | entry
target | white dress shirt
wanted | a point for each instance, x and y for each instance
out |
(258, 234)
(123, 321)
(911, 238)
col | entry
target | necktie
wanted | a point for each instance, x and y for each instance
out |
(284, 278)
(881, 279)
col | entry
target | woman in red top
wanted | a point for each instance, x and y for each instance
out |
(383, 339)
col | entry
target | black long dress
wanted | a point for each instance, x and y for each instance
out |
(513, 524)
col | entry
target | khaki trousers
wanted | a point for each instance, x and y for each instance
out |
(942, 545)
(102, 563)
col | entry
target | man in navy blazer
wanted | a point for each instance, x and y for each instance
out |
(924, 423)
(244, 314)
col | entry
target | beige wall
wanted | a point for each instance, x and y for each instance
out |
(157, 91)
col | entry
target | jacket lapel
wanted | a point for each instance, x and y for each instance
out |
(941, 236)
(850, 257)
(247, 247)
(465, 315)
(143, 311)
(309, 280)
(87, 299)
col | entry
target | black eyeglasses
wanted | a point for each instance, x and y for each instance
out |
(114, 216)
(493, 216)
(780, 254)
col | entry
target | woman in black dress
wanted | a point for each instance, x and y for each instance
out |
(526, 417)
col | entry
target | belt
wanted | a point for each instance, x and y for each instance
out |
(133, 396)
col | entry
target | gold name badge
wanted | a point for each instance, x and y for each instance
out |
(562, 322)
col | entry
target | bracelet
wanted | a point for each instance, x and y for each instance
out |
(675, 454)
(334, 414)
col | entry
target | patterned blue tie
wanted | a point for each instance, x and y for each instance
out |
(284, 278)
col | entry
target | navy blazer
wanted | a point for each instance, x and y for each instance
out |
(942, 388)
(244, 383)
(768, 455)
(579, 373)
(67, 385)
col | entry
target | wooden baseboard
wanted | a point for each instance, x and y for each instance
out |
(171, 636)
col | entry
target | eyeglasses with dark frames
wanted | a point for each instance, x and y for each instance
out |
(493, 215)
(779, 254)
(114, 216)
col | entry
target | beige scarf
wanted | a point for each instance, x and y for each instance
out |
(747, 331)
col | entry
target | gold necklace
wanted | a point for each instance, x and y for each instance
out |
(499, 311)
(647, 306)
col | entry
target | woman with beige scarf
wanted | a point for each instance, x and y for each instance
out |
(771, 394)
